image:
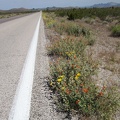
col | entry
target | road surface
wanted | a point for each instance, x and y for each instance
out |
(15, 43)
(15, 39)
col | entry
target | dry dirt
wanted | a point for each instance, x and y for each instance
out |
(106, 51)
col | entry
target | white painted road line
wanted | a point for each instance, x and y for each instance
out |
(21, 105)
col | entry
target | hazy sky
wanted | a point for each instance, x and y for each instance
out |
(8, 4)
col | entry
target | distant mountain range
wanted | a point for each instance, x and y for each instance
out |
(19, 10)
(101, 5)
(105, 5)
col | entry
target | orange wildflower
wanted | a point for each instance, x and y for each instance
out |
(77, 101)
(101, 94)
(74, 56)
(81, 85)
(103, 88)
(68, 91)
(77, 66)
(85, 90)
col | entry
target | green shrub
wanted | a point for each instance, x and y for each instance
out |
(116, 30)
(71, 75)
(71, 29)
(101, 13)
(49, 21)
(71, 16)
(63, 26)
(72, 82)
(71, 79)
(68, 46)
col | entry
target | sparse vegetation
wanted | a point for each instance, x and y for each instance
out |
(72, 70)
(7, 14)
(65, 27)
(116, 30)
(80, 13)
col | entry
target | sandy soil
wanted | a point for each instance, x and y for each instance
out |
(106, 51)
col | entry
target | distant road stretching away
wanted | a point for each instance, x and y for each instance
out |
(15, 38)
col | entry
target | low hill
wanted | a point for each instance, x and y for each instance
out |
(19, 10)
(110, 4)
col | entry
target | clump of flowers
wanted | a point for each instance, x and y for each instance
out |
(77, 76)
(69, 54)
(68, 47)
(60, 78)
(71, 79)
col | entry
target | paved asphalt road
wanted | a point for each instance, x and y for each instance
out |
(15, 38)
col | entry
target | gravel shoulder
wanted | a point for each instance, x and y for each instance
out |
(42, 104)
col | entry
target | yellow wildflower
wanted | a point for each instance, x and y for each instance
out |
(62, 88)
(62, 76)
(51, 83)
(66, 52)
(72, 52)
(78, 75)
(69, 54)
(59, 80)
